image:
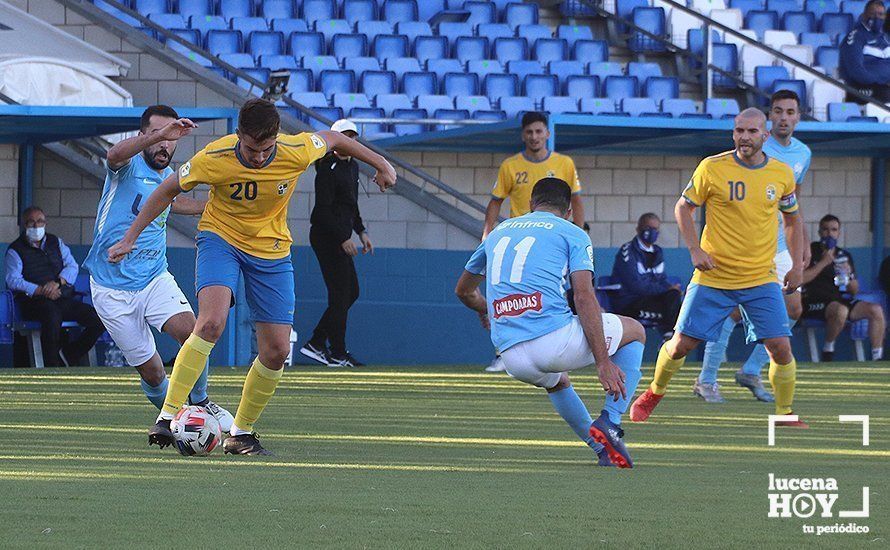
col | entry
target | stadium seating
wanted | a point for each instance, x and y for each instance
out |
(514, 106)
(679, 107)
(721, 108)
(581, 86)
(558, 105)
(841, 112)
(374, 83)
(496, 86)
(359, 10)
(417, 83)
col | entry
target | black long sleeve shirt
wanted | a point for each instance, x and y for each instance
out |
(336, 198)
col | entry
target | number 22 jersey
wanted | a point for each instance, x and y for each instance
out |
(527, 262)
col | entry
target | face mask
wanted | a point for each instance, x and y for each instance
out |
(874, 24)
(649, 235)
(35, 234)
(829, 242)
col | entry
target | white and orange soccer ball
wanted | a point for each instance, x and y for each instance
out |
(196, 431)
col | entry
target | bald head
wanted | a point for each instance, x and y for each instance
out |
(748, 134)
(752, 115)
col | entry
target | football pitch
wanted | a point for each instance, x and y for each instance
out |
(433, 457)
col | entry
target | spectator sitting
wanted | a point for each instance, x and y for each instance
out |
(829, 291)
(865, 53)
(41, 270)
(645, 292)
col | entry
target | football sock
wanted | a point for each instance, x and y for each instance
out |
(828, 346)
(758, 358)
(199, 390)
(877, 353)
(628, 358)
(190, 362)
(715, 353)
(783, 378)
(665, 367)
(574, 412)
(259, 386)
(155, 394)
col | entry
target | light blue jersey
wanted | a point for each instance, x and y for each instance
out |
(526, 262)
(797, 156)
(123, 195)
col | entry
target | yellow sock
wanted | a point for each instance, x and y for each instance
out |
(665, 367)
(783, 379)
(189, 365)
(258, 389)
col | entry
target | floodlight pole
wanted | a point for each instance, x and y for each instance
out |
(878, 185)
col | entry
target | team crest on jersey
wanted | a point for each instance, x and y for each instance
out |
(515, 305)
(771, 192)
(185, 169)
(282, 187)
(317, 141)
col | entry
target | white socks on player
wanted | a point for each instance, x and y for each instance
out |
(877, 354)
(829, 347)
(164, 416)
(238, 431)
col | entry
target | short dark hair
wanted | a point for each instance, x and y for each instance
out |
(258, 118)
(155, 110)
(779, 95)
(829, 218)
(533, 116)
(870, 3)
(552, 192)
(646, 217)
(33, 208)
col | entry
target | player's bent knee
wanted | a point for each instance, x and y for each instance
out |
(633, 331)
(210, 329)
(779, 350)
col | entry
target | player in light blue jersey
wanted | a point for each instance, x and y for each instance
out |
(784, 114)
(527, 263)
(139, 292)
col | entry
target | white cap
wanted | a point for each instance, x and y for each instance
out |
(344, 125)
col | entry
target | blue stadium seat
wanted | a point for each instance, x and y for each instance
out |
(797, 86)
(765, 76)
(472, 103)
(278, 61)
(516, 14)
(721, 108)
(288, 26)
(604, 69)
(460, 84)
(480, 12)
(401, 65)
(344, 46)
(152, 7)
(449, 114)
(235, 8)
(361, 65)
(496, 86)
(853, 7)
(863, 119)
(306, 44)
(533, 33)
(391, 102)
(619, 87)
(409, 114)
(206, 23)
(390, 45)
(169, 20)
(828, 57)
(625, 9)
(452, 30)
(509, 49)
(590, 51)
(375, 83)
(540, 86)
(300, 80)
(820, 7)
(799, 22)
(493, 31)
(653, 21)
(836, 25)
(556, 105)
(597, 105)
(574, 33)
(489, 115)
(419, 83)
(524, 68)
(332, 82)
(278, 9)
(661, 87)
(443, 66)
(781, 7)
(219, 42)
(189, 35)
(679, 107)
(313, 100)
(840, 112)
(565, 69)
(695, 41)
(237, 60)
(432, 103)
(413, 29)
(368, 129)
(581, 86)
(513, 107)
(189, 8)
(551, 49)
(331, 113)
(265, 42)
(760, 21)
(430, 47)
(315, 10)
(319, 63)
(260, 75)
(643, 70)
(330, 27)
(373, 29)
(815, 40)
(359, 10)
(746, 6)
(248, 25)
(395, 11)
(467, 48)
(726, 57)
(347, 101)
(484, 67)
(153, 34)
(637, 106)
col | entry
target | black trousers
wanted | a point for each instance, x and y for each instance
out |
(662, 308)
(51, 314)
(341, 280)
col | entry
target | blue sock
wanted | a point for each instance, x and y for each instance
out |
(758, 358)
(574, 412)
(715, 353)
(199, 390)
(155, 394)
(628, 358)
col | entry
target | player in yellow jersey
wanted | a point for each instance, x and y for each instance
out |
(744, 190)
(519, 173)
(243, 231)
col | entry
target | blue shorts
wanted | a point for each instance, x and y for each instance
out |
(268, 284)
(705, 308)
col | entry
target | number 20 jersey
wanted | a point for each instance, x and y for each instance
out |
(527, 262)
(247, 206)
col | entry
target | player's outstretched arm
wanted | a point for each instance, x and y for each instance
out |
(467, 291)
(121, 153)
(492, 211)
(348, 147)
(590, 314)
(156, 203)
(187, 206)
(683, 211)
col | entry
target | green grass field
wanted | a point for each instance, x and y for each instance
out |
(430, 457)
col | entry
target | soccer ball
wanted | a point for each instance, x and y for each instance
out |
(195, 430)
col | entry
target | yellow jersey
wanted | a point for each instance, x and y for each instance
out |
(740, 231)
(518, 175)
(248, 206)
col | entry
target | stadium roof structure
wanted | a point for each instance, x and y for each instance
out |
(612, 135)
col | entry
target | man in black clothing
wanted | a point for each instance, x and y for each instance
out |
(41, 271)
(333, 220)
(830, 288)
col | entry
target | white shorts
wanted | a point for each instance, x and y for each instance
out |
(127, 314)
(541, 361)
(783, 265)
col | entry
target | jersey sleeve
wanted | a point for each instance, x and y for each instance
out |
(476, 263)
(313, 148)
(122, 172)
(580, 251)
(788, 200)
(698, 189)
(806, 167)
(574, 181)
(504, 184)
(197, 170)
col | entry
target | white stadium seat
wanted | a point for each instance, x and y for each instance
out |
(732, 18)
(680, 23)
(777, 39)
(802, 54)
(753, 57)
(821, 94)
